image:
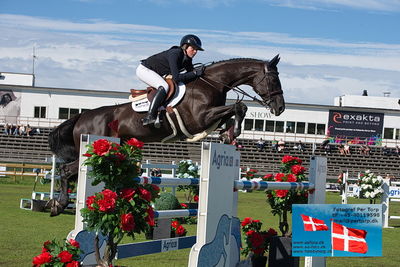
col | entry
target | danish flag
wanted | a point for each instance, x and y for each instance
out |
(348, 239)
(312, 224)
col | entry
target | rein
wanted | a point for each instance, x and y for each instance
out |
(238, 90)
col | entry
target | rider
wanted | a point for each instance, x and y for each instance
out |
(171, 61)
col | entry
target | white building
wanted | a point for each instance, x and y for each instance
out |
(351, 118)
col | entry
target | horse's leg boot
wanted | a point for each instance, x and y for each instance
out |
(155, 104)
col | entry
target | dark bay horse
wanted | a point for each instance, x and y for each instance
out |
(202, 108)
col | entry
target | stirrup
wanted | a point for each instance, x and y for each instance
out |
(148, 120)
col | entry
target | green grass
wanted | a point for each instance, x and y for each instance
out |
(23, 232)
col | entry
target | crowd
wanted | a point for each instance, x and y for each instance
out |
(20, 129)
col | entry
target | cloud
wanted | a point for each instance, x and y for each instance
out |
(372, 5)
(103, 55)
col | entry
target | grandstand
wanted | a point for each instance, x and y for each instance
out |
(34, 149)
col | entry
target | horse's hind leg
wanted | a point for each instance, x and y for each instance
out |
(68, 172)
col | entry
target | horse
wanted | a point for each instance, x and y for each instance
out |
(201, 111)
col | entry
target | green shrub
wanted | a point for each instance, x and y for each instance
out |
(167, 201)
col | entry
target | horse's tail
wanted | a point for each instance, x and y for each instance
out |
(61, 140)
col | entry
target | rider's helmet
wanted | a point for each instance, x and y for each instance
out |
(192, 40)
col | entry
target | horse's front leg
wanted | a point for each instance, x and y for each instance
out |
(240, 113)
(68, 171)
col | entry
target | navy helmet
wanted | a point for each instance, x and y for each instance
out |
(192, 40)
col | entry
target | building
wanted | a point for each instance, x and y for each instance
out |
(355, 119)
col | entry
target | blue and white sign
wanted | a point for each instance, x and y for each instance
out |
(337, 230)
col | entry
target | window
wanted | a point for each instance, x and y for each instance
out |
(397, 134)
(290, 125)
(39, 112)
(84, 109)
(248, 124)
(388, 133)
(311, 128)
(321, 129)
(67, 113)
(269, 126)
(279, 126)
(301, 127)
(259, 125)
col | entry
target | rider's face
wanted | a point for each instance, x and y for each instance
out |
(191, 51)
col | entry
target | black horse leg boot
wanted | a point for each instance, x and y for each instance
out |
(155, 104)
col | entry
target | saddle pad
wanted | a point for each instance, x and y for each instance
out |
(142, 104)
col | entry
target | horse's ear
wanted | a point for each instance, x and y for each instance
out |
(273, 62)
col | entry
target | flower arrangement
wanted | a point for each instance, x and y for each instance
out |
(257, 241)
(248, 174)
(177, 229)
(281, 200)
(123, 207)
(187, 169)
(370, 186)
(64, 254)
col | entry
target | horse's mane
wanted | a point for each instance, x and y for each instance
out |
(214, 63)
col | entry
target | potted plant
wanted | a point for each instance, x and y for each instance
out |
(256, 241)
(123, 207)
(59, 254)
(370, 186)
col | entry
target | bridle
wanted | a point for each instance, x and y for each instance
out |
(238, 90)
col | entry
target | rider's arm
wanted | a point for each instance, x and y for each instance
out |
(173, 58)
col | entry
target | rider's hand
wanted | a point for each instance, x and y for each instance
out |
(199, 70)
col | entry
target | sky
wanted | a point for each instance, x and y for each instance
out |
(328, 48)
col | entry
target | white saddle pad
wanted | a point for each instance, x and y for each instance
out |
(142, 104)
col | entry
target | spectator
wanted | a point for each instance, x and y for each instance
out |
(274, 145)
(300, 146)
(28, 130)
(156, 172)
(327, 148)
(397, 151)
(281, 145)
(22, 130)
(346, 149)
(16, 130)
(236, 143)
(260, 145)
(341, 149)
(367, 150)
(7, 129)
(385, 151)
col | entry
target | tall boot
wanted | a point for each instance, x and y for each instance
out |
(155, 104)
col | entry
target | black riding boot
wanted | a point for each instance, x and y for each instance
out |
(155, 104)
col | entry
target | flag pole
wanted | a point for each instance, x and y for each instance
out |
(331, 237)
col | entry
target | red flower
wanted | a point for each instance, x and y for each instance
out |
(256, 239)
(287, 159)
(269, 195)
(268, 176)
(175, 224)
(101, 147)
(250, 232)
(279, 176)
(74, 243)
(180, 231)
(107, 193)
(127, 222)
(136, 143)
(155, 188)
(87, 155)
(281, 193)
(298, 169)
(89, 201)
(150, 217)
(73, 264)
(183, 205)
(291, 177)
(272, 232)
(196, 198)
(246, 221)
(145, 194)
(127, 193)
(65, 256)
(106, 205)
(120, 156)
(43, 258)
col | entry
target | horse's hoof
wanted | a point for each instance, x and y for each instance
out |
(55, 207)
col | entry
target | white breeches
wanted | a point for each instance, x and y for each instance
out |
(151, 77)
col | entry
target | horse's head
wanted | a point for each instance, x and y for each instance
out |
(267, 85)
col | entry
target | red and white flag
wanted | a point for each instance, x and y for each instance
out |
(348, 239)
(312, 224)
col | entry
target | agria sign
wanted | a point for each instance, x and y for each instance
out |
(341, 117)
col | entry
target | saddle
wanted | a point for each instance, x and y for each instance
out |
(150, 92)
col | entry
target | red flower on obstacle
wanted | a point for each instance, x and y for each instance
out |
(101, 147)
(74, 243)
(281, 193)
(135, 143)
(291, 177)
(279, 177)
(268, 176)
(196, 198)
(127, 222)
(43, 258)
(73, 264)
(150, 217)
(298, 169)
(127, 193)
(107, 200)
(65, 256)
(145, 194)
(177, 228)
(290, 159)
(184, 206)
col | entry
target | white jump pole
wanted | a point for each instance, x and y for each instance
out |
(53, 174)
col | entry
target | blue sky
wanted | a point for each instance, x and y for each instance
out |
(328, 47)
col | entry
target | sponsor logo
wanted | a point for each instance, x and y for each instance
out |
(349, 118)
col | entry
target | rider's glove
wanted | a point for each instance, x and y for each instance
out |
(199, 70)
